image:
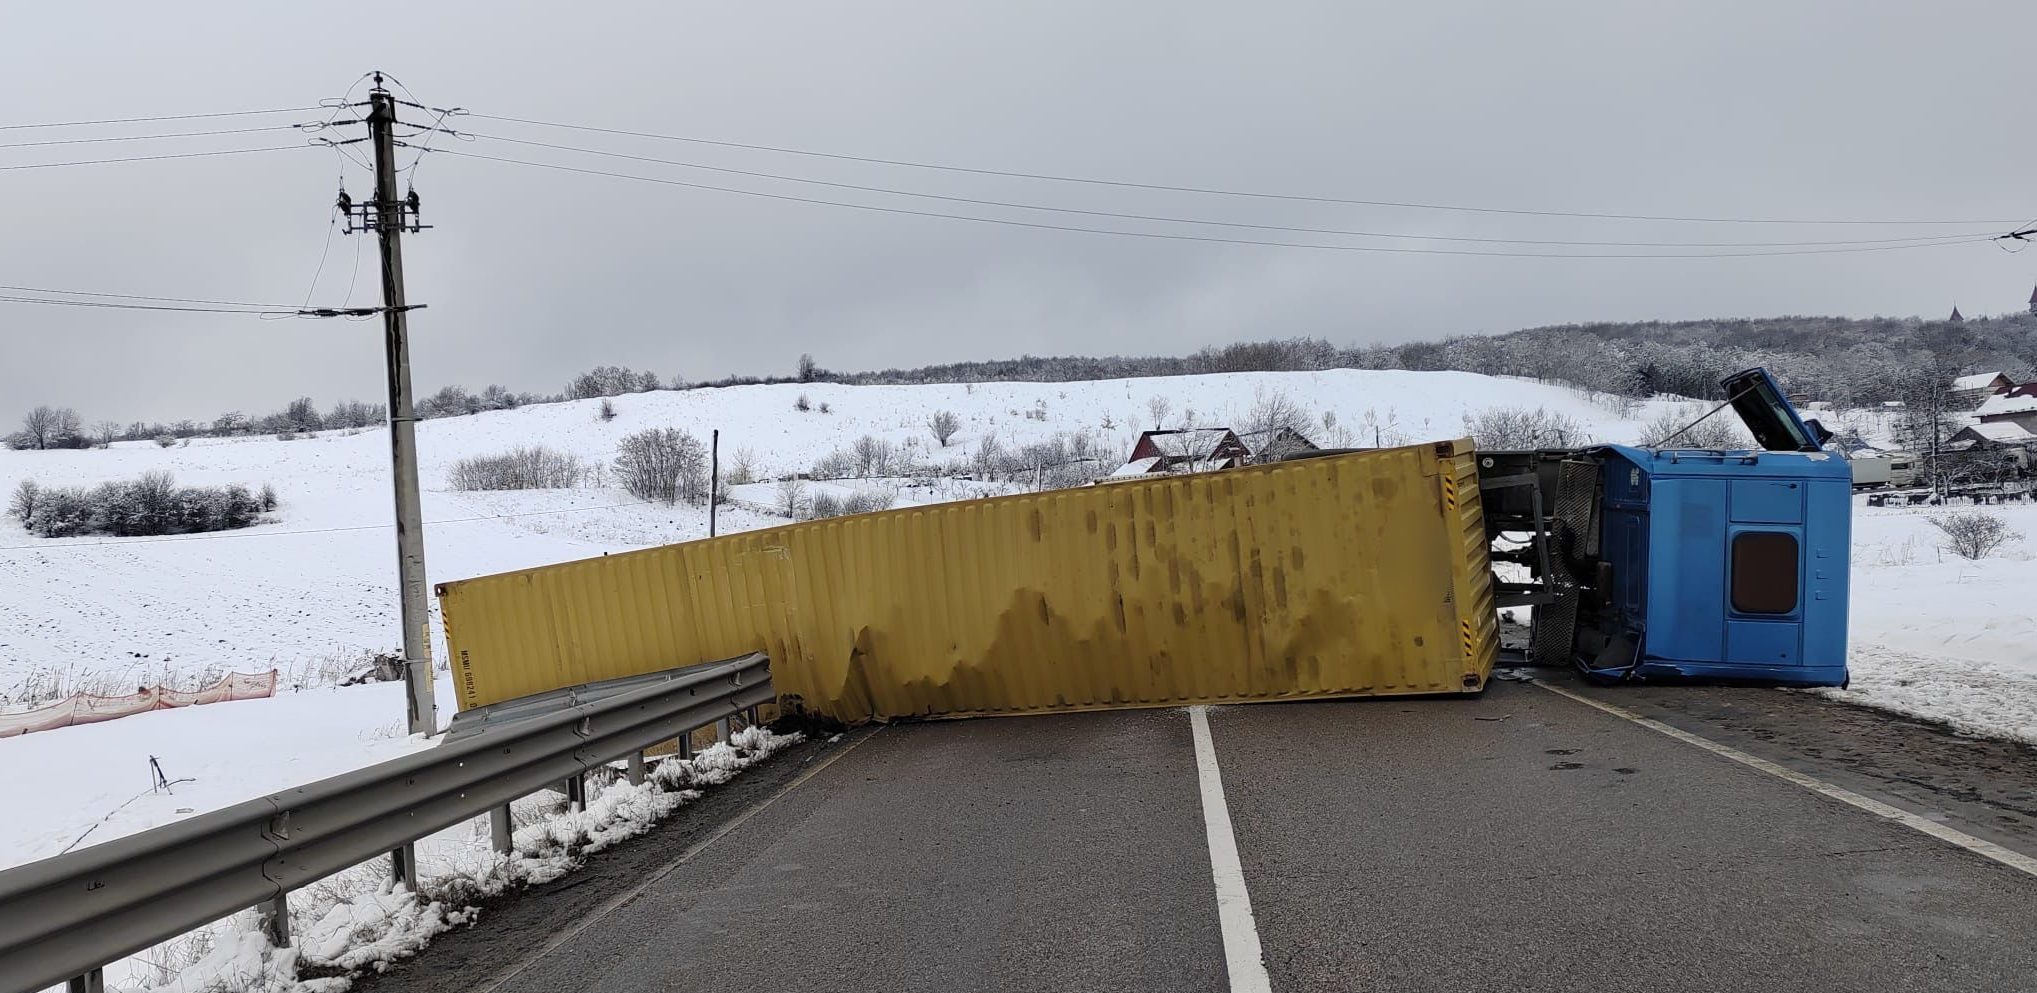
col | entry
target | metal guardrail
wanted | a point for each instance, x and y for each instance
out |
(63, 918)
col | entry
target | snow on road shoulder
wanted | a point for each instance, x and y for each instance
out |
(1973, 696)
(358, 922)
(1940, 637)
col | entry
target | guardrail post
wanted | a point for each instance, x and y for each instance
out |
(403, 865)
(274, 916)
(686, 743)
(91, 982)
(636, 768)
(722, 730)
(576, 791)
(750, 716)
(500, 830)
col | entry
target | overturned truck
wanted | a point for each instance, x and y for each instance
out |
(1365, 573)
(1673, 563)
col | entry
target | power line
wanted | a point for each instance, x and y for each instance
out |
(152, 158)
(168, 117)
(106, 305)
(336, 530)
(1380, 249)
(1123, 215)
(1212, 191)
(144, 296)
(121, 301)
(146, 137)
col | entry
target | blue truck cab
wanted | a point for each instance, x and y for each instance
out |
(1671, 563)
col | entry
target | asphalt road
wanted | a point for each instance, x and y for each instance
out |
(1519, 841)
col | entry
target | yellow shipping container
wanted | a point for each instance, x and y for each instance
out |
(1348, 575)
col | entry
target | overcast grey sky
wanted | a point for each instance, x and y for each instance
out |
(1750, 108)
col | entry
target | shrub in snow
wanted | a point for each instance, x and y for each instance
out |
(355, 414)
(165, 441)
(1974, 534)
(802, 404)
(151, 505)
(944, 424)
(61, 512)
(530, 468)
(825, 409)
(613, 381)
(838, 464)
(607, 410)
(449, 401)
(826, 505)
(663, 464)
(1503, 428)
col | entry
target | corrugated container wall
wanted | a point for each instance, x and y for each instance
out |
(1350, 575)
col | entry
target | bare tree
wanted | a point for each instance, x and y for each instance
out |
(743, 468)
(48, 427)
(105, 433)
(873, 456)
(1158, 406)
(1974, 534)
(303, 415)
(1514, 428)
(943, 424)
(1273, 410)
(22, 506)
(1717, 432)
(792, 497)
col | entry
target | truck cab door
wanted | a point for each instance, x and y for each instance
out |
(1767, 414)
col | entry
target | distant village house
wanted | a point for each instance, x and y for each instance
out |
(1968, 392)
(2016, 405)
(1203, 449)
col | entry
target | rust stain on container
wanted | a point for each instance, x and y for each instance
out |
(1018, 605)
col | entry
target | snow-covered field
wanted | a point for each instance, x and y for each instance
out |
(1937, 636)
(1933, 634)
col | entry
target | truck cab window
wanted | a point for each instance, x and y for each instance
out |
(1764, 572)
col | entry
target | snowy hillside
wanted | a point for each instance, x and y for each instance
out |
(1931, 634)
(315, 584)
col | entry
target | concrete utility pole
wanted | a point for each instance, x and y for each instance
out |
(387, 218)
(713, 477)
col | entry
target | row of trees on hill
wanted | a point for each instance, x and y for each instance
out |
(1849, 362)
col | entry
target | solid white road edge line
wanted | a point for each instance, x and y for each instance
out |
(1242, 956)
(1979, 846)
